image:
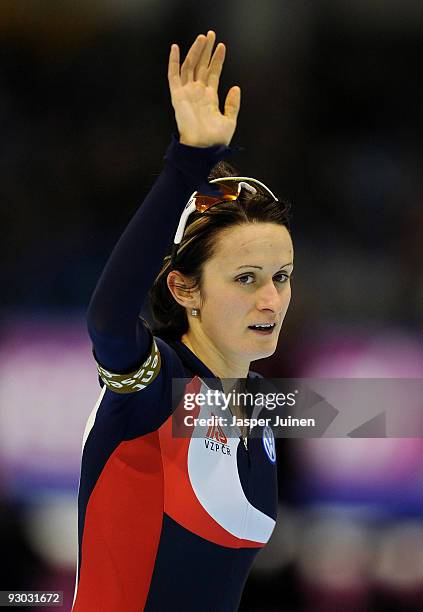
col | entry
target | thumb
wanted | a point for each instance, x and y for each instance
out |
(232, 103)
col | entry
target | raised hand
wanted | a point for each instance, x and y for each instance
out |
(193, 89)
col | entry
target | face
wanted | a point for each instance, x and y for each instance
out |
(247, 283)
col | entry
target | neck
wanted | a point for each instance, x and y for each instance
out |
(221, 365)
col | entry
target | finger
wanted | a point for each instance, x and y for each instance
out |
(173, 68)
(191, 60)
(187, 69)
(232, 103)
(203, 63)
(216, 64)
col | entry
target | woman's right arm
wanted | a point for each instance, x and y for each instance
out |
(120, 342)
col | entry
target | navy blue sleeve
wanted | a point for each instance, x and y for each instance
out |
(121, 340)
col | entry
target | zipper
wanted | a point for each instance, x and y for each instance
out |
(244, 440)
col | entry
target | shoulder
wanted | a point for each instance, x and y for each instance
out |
(252, 374)
(170, 358)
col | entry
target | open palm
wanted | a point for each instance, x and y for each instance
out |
(194, 93)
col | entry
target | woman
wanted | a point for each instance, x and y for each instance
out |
(170, 523)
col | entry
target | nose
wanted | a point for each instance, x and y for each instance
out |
(269, 298)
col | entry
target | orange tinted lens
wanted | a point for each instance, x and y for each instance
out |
(204, 202)
(228, 187)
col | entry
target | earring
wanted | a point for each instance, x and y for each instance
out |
(195, 312)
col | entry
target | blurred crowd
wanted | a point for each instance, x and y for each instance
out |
(330, 119)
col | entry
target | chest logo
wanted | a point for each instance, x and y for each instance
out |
(269, 443)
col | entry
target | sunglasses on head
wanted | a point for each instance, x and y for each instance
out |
(230, 189)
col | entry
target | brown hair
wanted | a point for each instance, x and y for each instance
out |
(199, 244)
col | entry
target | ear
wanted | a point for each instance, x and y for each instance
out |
(180, 287)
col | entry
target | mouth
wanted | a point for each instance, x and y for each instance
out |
(264, 329)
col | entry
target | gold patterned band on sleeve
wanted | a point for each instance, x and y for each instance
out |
(135, 381)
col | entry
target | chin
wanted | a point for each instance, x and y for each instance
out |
(263, 353)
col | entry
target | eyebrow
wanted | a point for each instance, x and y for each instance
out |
(260, 268)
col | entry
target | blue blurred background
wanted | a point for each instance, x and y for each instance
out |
(331, 119)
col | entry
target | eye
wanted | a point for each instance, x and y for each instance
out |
(282, 277)
(246, 279)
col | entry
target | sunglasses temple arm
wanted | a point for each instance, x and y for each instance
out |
(189, 208)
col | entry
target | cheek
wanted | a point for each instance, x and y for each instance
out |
(224, 307)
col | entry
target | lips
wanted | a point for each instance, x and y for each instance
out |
(262, 328)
